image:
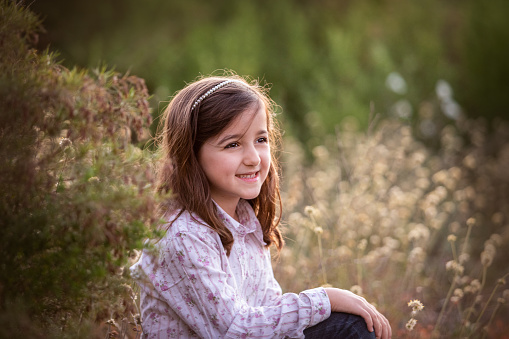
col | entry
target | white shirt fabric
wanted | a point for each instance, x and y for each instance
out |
(190, 288)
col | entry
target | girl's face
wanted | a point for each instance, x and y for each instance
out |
(236, 162)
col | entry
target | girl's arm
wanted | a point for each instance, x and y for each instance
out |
(348, 302)
(189, 277)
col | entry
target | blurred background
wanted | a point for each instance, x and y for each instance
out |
(326, 60)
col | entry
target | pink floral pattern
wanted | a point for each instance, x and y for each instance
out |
(191, 289)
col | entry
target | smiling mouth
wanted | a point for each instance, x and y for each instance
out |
(248, 176)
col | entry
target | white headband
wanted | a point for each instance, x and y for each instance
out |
(210, 91)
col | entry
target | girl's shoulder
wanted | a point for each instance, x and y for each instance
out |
(186, 223)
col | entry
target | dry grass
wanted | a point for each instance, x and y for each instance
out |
(394, 221)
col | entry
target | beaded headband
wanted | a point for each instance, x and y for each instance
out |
(210, 91)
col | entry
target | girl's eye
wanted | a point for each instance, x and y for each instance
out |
(232, 145)
(262, 140)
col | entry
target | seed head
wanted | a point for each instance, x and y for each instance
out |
(486, 258)
(451, 238)
(455, 267)
(309, 210)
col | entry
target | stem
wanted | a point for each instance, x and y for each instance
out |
(487, 303)
(466, 238)
(453, 285)
(491, 318)
(471, 309)
(491, 297)
(324, 275)
(359, 268)
(60, 179)
(123, 332)
(454, 254)
(484, 273)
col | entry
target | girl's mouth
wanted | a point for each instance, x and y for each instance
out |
(248, 177)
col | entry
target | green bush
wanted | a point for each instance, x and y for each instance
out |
(76, 192)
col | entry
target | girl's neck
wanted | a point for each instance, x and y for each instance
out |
(229, 207)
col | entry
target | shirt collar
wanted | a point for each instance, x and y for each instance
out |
(248, 221)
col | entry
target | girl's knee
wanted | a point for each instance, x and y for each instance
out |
(357, 328)
(340, 325)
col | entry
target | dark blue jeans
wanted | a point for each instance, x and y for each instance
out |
(340, 325)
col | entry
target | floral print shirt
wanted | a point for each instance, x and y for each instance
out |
(190, 288)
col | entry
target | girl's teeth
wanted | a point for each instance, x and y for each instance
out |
(247, 176)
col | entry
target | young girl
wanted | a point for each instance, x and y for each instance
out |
(210, 276)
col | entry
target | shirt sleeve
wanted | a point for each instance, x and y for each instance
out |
(189, 277)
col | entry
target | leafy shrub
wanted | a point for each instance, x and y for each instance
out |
(76, 193)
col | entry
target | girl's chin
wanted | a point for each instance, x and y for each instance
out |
(251, 196)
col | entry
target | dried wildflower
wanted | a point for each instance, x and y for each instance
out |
(309, 210)
(470, 161)
(416, 305)
(318, 230)
(471, 221)
(451, 238)
(356, 289)
(321, 152)
(458, 292)
(416, 255)
(501, 281)
(497, 218)
(476, 285)
(362, 244)
(411, 324)
(65, 142)
(419, 232)
(463, 258)
(455, 267)
(496, 239)
(375, 239)
(391, 243)
(486, 258)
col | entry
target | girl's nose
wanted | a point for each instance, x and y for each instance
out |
(251, 156)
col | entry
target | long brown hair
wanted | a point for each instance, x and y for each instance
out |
(185, 129)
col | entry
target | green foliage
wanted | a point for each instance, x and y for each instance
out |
(327, 60)
(76, 193)
(484, 70)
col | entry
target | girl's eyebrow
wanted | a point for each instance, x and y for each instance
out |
(238, 136)
(228, 137)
